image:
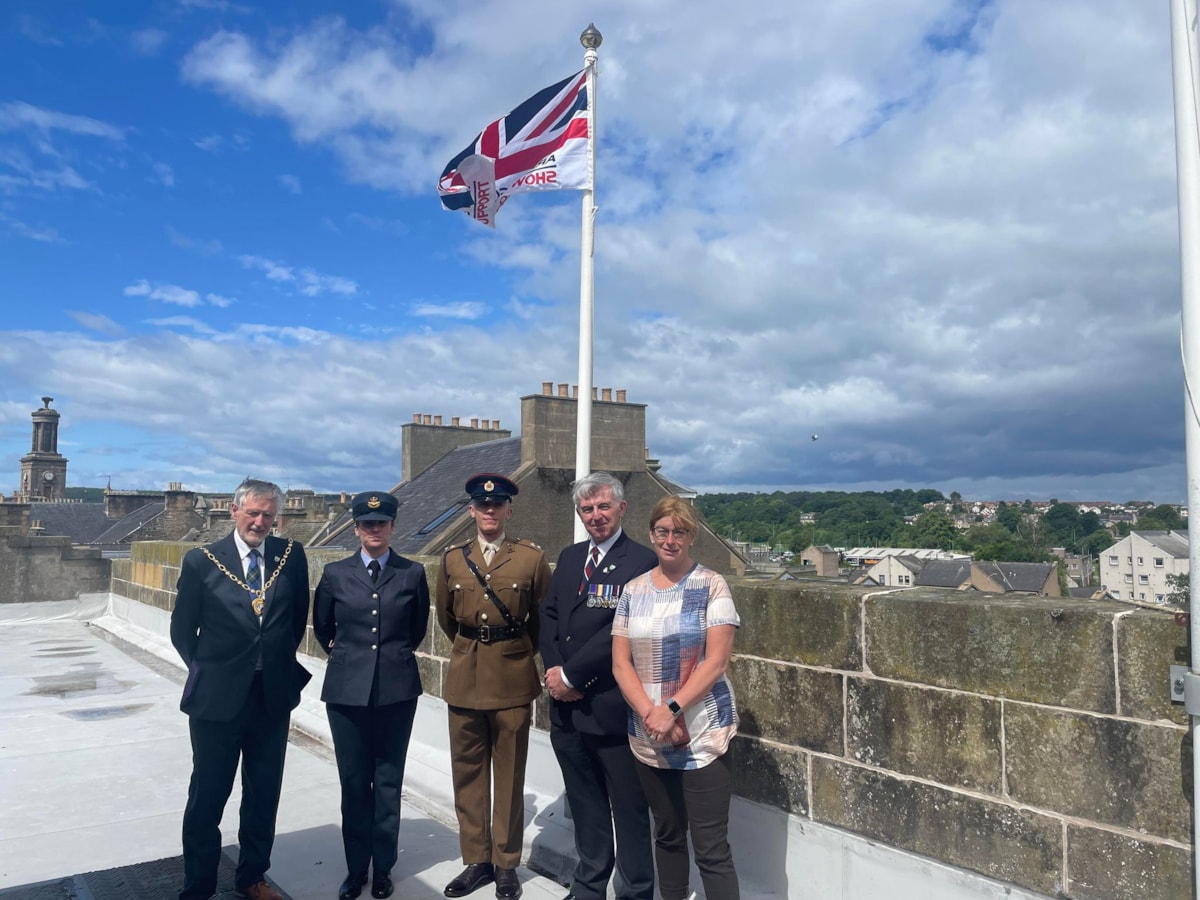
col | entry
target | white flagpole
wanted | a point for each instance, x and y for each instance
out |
(1185, 67)
(583, 430)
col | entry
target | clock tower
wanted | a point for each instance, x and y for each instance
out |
(43, 469)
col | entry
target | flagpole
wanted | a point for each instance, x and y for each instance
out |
(1184, 66)
(590, 39)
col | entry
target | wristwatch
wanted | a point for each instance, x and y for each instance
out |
(674, 707)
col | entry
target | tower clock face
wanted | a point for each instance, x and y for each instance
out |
(48, 476)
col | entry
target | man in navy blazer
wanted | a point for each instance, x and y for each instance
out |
(588, 715)
(241, 607)
(370, 613)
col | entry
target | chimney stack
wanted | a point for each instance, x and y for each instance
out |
(547, 388)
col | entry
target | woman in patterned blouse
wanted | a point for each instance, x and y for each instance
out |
(672, 638)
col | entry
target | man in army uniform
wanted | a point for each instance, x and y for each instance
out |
(488, 592)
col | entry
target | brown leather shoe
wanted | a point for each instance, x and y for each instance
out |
(260, 891)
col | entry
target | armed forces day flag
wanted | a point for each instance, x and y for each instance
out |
(542, 145)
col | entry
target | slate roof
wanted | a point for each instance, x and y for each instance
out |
(1027, 578)
(1173, 542)
(912, 563)
(81, 522)
(435, 492)
(122, 530)
(951, 573)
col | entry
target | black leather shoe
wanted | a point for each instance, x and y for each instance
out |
(508, 887)
(352, 886)
(473, 877)
(381, 885)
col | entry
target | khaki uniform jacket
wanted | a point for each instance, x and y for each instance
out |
(503, 674)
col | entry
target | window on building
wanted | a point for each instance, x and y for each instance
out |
(1129, 578)
(1158, 562)
(1139, 561)
(1112, 561)
(1161, 598)
(1142, 595)
(1143, 579)
(1116, 595)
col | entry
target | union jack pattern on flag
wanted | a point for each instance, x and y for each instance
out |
(542, 145)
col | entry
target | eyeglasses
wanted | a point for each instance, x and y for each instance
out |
(661, 534)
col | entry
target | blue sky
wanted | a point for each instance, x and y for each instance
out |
(941, 235)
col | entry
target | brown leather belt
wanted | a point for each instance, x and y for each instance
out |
(489, 634)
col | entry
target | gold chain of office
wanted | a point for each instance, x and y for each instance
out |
(260, 596)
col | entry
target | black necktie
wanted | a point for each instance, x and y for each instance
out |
(373, 568)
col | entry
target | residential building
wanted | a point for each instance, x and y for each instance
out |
(1135, 568)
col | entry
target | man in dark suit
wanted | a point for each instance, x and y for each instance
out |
(588, 715)
(241, 607)
(370, 613)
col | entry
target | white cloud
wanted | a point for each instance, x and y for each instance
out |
(291, 183)
(465, 310)
(309, 282)
(167, 293)
(273, 270)
(42, 233)
(99, 323)
(163, 174)
(16, 115)
(148, 41)
(219, 301)
(210, 247)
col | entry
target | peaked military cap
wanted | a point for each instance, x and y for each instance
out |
(488, 487)
(373, 506)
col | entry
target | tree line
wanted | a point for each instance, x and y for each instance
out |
(1018, 533)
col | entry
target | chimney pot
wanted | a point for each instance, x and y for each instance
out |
(437, 420)
(595, 393)
(495, 424)
(547, 388)
(562, 390)
(454, 421)
(416, 418)
(475, 422)
(620, 395)
(428, 419)
(574, 392)
(607, 394)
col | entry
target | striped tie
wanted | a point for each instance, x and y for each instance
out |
(253, 572)
(590, 569)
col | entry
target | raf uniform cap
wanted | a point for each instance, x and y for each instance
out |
(488, 487)
(373, 506)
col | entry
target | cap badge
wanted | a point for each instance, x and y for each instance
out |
(373, 503)
(489, 486)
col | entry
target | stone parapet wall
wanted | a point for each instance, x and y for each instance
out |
(38, 568)
(1028, 739)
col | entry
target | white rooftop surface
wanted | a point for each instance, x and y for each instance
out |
(95, 761)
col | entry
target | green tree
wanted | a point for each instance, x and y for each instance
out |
(934, 529)
(1181, 590)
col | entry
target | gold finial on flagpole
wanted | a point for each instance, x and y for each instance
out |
(591, 38)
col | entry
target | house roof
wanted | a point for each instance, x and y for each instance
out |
(1174, 543)
(429, 503)
(122, 530)
(952, 573)
(1027, 578)
(81, 522)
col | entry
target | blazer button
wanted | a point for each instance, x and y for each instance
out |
(374, 612)
(568, 637)
(374, 596)
(373, 630)
(483, 616)
(374, 647)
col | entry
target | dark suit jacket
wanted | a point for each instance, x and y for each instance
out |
(578, 637)
(215, 630)
(361, 625)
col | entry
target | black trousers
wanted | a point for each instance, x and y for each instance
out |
(601, 779)
(371, 745)
(695, 799)
(260, 741)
